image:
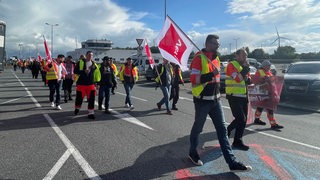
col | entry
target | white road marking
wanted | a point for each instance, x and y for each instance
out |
(10, 100)
(6, 84)
(58, 165)
(132, 97)
(74, 151)
(70, 147)
(127, 117)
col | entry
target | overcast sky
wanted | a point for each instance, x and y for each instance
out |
(238, 23)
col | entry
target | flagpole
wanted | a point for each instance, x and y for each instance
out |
(191, 41)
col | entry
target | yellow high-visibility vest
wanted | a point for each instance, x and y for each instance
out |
(233, 87)
(96, 73)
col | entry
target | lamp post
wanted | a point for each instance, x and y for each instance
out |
(236, 39)
(51, 35)
(20, 46)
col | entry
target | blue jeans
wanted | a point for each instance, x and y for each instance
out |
(104, 92)
(166, 90)
(214, 109)
(55, 87)
(128, 87)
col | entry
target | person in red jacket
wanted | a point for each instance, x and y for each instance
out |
(264, 75)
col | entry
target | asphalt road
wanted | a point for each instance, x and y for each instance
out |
(39, 142)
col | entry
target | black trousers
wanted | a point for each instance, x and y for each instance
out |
(239, 109)
(67, 87)
(174, 94)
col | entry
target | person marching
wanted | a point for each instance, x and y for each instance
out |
(88, 74)
(164, 79)
(264, 74)
(205, 80)
(237, 77)
(106, 83)
(68, 81)
(177, 79)
(128, 76)
(55, 75)
(43, 72)
(115, 70)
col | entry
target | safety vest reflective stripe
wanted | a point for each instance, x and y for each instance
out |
(233, 87)
(197, 89)
(124, 71)
(262, 74)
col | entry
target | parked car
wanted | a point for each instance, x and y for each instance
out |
(302, 79)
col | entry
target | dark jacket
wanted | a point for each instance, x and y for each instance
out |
(84, 78)
(107, 76)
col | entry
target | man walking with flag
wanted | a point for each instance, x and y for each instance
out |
(205, 80)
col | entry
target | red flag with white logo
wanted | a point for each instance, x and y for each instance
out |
(148, 52)
(174, 45)
(48, 52)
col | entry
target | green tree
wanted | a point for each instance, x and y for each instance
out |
(285, 52)
(258, 54)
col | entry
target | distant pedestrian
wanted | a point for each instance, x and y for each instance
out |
(55, 74)
(35, 68)
(129, 76)
(164, 80)
(264, 74)
(106, 83)
(237, 79)
(115, 70)
(88, 74)
(177, 80)
(68, 81)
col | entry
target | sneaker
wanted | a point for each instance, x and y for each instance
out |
(76, 111)
(100, 107)
(107, 111)
(52, 104)
(127, 105)
(240, 146)
(70, 98)
(259, 122)
(59, 107)
(159, 106)
(169, 112)
(91, 116)
(131, 107)
(195, 160)
(65, 101)
(113, 93)
(276, 126)
(239, 167)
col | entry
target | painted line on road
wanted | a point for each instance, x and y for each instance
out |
(58, 165)
(6, 84)
(127, 117)
(28, 92)
(70, 147)
(16, 99)
(132, 97)
(74, 151)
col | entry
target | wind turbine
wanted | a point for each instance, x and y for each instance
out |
(278, 37)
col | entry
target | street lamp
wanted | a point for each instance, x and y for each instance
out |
(236, 39)
(51, 34)
(20, 45)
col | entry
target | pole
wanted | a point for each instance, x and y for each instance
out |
(236, 39)
(51, 35)
(165, 9)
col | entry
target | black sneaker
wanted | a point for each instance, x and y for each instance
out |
(169, 112)
(276, 126)
(99, 107)
(107, 112)
(195, 160)
(76, 111)
(91, 116)
(65, 101)
(259, 122)
(239, 167)
(174, 108)
(159, 106)
(240, 146)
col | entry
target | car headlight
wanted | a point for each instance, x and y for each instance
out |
(316, 83)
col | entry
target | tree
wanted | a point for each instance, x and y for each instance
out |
(285, 52)
(258, 54)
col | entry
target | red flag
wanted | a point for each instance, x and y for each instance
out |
(39, 58)
(148, 52)
(48, 52)
(174, 45)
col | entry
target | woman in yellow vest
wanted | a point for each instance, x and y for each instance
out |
(237, 76)
(264, 74)
(128, 76)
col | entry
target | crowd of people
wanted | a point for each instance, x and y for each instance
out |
(90, 77)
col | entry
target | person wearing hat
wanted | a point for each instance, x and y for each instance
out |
(106, 83)
(128, 76)
(264, 75)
